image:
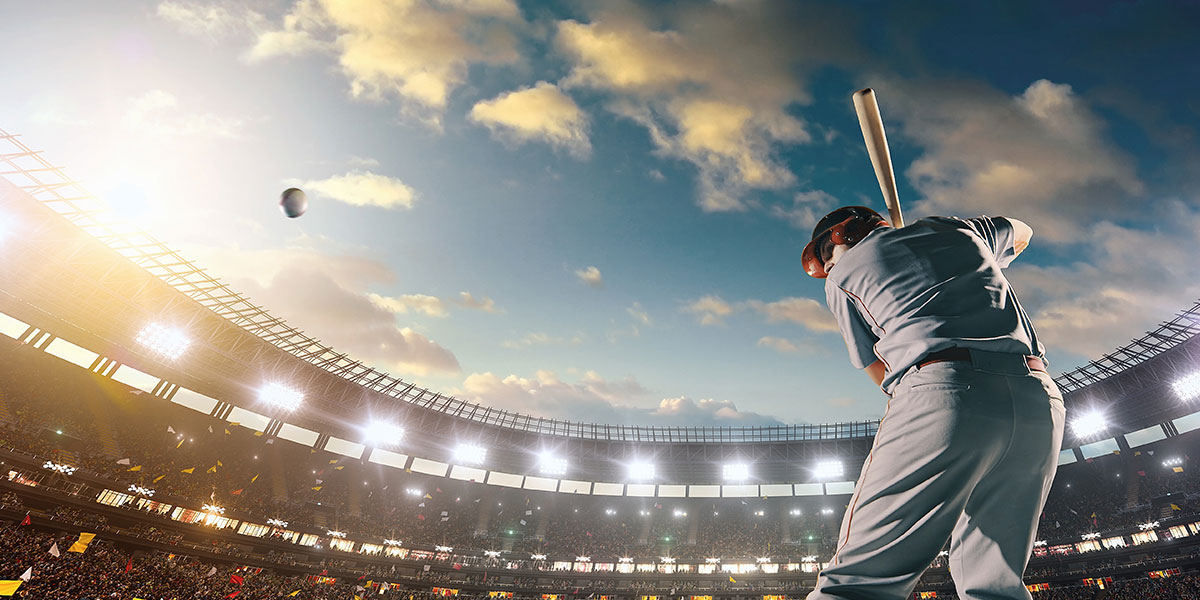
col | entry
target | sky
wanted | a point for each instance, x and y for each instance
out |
(594, 211)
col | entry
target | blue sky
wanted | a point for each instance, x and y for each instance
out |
(595, 211)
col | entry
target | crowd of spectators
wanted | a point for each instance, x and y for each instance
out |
(68, 414)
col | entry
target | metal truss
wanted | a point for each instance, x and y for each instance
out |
(1167, 336)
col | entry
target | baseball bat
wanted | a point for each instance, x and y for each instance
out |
(881, 158)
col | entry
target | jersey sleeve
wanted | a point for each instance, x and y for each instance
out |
(998, 235)
(860, 341)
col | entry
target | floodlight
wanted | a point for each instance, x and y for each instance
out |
(1188, 387)
(141, 491)
(1148, 526)
(537, 557)
(1172, 462)
(168, 342)
(625, 559)
(795, 512)
(760, 513)
(491, 553)
(829, 469)
(393, 543)
(679, 512)
(336, 534)
(712, 561)
(59, 467)
(381, 433)
(277, 522)
(1089, 423)
(827, 511)
(550, 464)
(644, 512)
(1090, 536)
(762, 559)
(610, 511)
(444, 548)
(1039, 543)
(736, 472)
(414, 492)
(666, 559)
(809, 558)
(213, 508)
(641, 471)
(583, 559)
(469, 454)
(281, 397)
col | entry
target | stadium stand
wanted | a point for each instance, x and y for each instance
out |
(197, 486)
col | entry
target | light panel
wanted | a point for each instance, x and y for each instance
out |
(1089, 423)
(641, 471)
(829, 469)
(549, 464)
(382, 433)
(280, 396)
(167, 342)
(1188, 388)
(470, 454)
(735, 472)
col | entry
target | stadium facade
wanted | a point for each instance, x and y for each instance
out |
(77, 288)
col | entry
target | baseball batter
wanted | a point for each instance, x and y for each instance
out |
(968, 446)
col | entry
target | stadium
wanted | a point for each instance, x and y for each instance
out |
(213, 450)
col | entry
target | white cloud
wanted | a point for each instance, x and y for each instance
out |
(595, 399)
(709, 310)
(707, 93)
(417, 303)
(591, 276)
(539, 113)
(483, 303)
(1130, 280)
(326, 296)
(807, 208)
(806, 312)
(1042, 156)
(540, 338)
(415, 52)
(362, 188)
(212, 19)
(639, 314)
(781, 345)
(158, 113)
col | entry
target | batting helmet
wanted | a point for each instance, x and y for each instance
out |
(847, 225)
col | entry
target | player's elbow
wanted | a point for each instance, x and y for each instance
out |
(1022, 234)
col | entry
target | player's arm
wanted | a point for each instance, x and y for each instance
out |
(876, 371)
(1022, 233)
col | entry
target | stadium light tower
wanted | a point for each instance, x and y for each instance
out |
(829, 469)
(382, 433)
(550, 464)
(1089, 423)
(641, 471)
(279, 396)
(469, 454)
(1188, 388)
(168, 342)
(735, 472)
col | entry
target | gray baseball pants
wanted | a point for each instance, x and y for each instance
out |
(965, 452)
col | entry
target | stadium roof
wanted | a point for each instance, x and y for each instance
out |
(50, 186)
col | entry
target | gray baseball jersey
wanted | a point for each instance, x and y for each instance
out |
(900, 294)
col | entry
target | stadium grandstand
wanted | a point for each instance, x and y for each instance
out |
(215, 451)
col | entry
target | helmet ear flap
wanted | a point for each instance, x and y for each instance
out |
(813, 265)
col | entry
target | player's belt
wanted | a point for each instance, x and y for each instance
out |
(964, 355)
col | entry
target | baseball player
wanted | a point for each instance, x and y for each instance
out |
(968, 445)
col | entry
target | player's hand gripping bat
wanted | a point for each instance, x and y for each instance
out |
(877, 146)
